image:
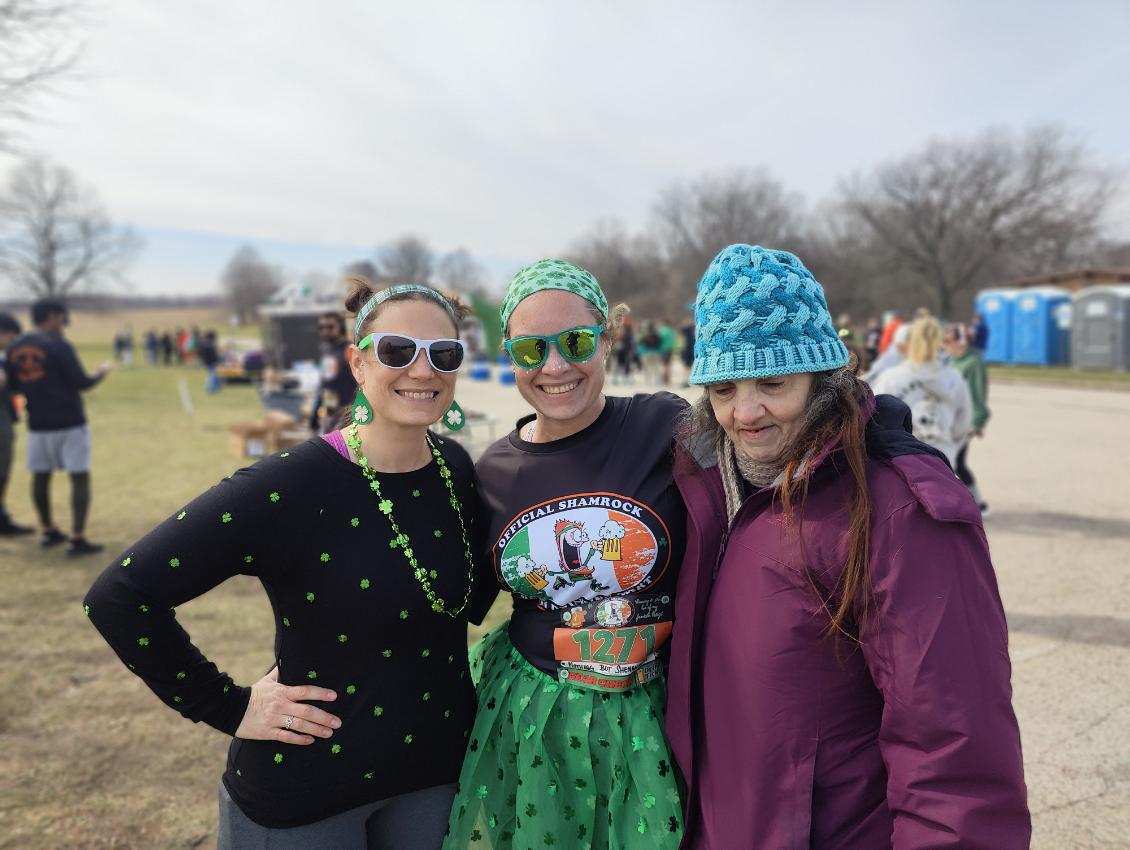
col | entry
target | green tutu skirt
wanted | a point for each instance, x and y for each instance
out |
(554, 765)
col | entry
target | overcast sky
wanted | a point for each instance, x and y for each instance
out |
(509, 128)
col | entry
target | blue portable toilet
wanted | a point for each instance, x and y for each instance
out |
(995, 307)
(1041, 326)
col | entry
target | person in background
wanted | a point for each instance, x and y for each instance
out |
(336, 386)
(687, 332)
(127, 346)
(168, 347)
(979, 333)
(668, 339)
(968, 362)
(839, 667)
(9, 330)
(894, 322)
(180, 339)
(209, 353)
(626, 355)
(935, 393)
(893, 356)
(151, 344)
(649, 353)
(45, 368)
(871, 339)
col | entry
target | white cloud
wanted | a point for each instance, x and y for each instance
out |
(511, 127)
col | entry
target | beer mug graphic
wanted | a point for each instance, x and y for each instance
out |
(611, 549)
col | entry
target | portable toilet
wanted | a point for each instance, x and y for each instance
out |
(995, 308)
(1101, 328)
(1038, 335)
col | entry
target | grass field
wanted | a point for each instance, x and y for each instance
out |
(1062, 376)
(88, 756)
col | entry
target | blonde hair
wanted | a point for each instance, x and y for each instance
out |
(925, 341)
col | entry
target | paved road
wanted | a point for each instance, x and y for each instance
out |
(1054, 467)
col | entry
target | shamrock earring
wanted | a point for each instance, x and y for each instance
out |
(454, 419)
(362, 410)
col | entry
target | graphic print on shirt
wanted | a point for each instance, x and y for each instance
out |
(581, 547)
(582, 555)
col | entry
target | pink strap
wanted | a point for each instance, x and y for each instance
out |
(337, 440)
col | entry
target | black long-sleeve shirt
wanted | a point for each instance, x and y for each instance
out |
(349, 616)
(46, 369)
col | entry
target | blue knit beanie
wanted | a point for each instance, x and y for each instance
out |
(760, 313)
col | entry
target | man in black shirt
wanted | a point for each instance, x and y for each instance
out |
(337, 387)
(44, 367)
(9, 330)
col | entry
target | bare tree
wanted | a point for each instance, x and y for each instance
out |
(694, 221)
(958, 214)
(249, 282)
(55, 237)
(409, 259)
(459, 271)
(364, 268)
(631, 269)
(35, 49)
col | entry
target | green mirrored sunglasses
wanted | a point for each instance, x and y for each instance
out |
(576, 345)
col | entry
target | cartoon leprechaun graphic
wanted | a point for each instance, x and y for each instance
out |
(574, 554)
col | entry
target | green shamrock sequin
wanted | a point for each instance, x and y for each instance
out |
(385, 506)
(86, 610)
(387, 653)
(312, 674)
(342, 638)
(181, 675)
(174, 562)
(368, 774)
(403, 615)
(324, 557)
(144, 609)
(278, 758)
(310, 596)
(127, 561)
(335, 749)
(437, 534)
(416, 494)
(225, 517)
(378, 710)
(355, 521)
(408, 738)
(364, 584)
(286, 621)
(274, 496)
(181, 515)
(143, 641)
(351, 689)
(427, 696)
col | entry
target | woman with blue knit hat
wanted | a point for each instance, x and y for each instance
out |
(839, 667)
(585, 529)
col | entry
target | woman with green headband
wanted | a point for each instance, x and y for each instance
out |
(365, 542)
(586, 532)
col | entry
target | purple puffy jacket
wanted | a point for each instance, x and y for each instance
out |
(908, 739)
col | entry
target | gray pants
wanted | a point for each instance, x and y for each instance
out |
(415, 821)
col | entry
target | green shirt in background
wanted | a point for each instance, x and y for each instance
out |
(972, 369)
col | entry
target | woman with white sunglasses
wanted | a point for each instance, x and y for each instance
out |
(364, 541)
(586, 531)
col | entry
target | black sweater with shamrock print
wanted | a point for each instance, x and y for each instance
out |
(349, 616)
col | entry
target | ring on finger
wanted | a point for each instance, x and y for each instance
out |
(288, 721)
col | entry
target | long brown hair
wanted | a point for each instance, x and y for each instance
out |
(834, 419)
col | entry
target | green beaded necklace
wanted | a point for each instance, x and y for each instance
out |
(400, 539)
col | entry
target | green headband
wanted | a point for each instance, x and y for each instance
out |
(551, 274)
(400, 289)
